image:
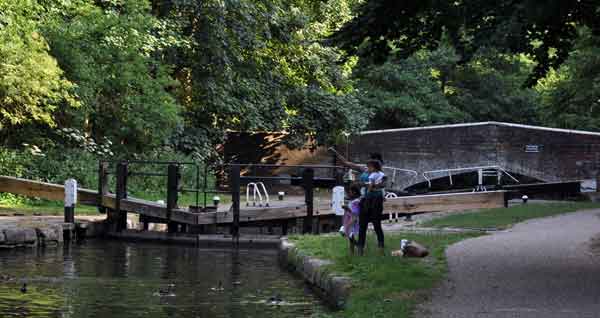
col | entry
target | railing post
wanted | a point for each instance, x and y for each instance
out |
(120, 217)
(234, 183)
(173, 178)
(102, 184)
(308, 176)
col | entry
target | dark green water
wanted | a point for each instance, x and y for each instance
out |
(114, 279)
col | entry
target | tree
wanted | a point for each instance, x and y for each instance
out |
(109, 52)
(489, 88)
(571, 94)
(253, 65)
(410, 92)
(545, 32)
(32, 85)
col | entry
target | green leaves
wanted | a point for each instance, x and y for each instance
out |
(409, 92)
(514, 27)
(32, 86)
(109, 53)
(260, 66)
(571, 94)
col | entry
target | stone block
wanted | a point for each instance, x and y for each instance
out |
(49, 235)
(340, 289)
(14, 236)
(29, 236)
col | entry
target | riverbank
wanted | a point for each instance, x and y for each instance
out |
(33, 231)
(385, 286)
(382, 286)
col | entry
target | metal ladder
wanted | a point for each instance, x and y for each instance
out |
(256, 192)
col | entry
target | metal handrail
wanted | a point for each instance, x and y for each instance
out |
(466, 169)
(403, 170)
(255, 191)
(396, 170)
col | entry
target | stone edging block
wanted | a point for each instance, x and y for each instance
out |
(334, 289)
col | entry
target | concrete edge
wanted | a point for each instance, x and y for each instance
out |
(38, 236)
(334, 289)
(197, 240)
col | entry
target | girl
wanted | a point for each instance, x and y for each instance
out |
(351, 216)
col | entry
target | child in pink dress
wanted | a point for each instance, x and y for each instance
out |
(351, 213)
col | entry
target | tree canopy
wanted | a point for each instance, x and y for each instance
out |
(546, 32)
(32, 85)
(135, 78)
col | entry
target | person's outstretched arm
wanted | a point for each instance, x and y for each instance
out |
(347, 163)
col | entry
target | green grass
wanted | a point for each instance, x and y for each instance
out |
(502, 218)
(11, 204)
(43, 207)
(384, 286)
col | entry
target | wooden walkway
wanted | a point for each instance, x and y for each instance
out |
(279, 210)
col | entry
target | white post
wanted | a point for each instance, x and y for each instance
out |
(70, 200)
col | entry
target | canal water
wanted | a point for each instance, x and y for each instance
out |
(111, 279)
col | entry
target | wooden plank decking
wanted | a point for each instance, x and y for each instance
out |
(278, 210)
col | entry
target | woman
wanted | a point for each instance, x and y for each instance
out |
(372, 180)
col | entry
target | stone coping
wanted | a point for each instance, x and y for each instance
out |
(12, 237)
(201, 240)
(333, 288)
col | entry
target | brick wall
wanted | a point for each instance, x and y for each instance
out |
(562, 155)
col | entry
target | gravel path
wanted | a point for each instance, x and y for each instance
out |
(541, 268)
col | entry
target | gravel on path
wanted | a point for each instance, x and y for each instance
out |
(546, 267)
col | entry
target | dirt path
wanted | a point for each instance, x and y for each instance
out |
(542, 268)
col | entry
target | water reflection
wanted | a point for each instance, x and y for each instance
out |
(115, 279)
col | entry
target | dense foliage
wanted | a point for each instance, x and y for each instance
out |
(546, 32)
(86, 79)
(32, 85)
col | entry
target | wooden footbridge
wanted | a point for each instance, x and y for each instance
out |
(304, 213)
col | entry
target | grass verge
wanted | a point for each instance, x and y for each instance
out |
(502, 218)
(43, 207)
(383, 286)
(15, 204)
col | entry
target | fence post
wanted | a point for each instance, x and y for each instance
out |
(102, 184)
(120, 217)
(308, 183)
(70, 200)
(173, 179)
(234, 183)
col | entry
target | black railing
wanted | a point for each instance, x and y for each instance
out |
(117, 218)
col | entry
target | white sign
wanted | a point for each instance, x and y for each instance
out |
(70, 192)
(532, 148)
(337, 200)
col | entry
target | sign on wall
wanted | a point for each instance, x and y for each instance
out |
(532, 148)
